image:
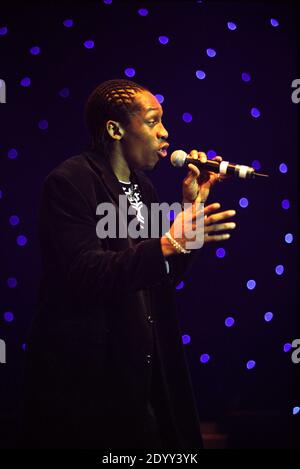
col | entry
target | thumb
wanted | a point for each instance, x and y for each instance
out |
(194, 171)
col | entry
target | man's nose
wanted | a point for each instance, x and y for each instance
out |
(163, 133)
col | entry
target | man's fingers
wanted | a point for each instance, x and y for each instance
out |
(198, 155)
(202, 156)
(194, 171)
(211, 208)
(220, 227)
(216, 217)
(215, 238)
(194, 154)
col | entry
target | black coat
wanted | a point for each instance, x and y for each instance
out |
(106, 324)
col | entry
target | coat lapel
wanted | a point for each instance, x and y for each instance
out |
(102, 167)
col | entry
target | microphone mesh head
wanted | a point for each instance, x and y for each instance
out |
(178, 158)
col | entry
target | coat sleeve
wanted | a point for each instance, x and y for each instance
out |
(67, 229)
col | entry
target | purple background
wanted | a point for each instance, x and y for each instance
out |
(250, 75)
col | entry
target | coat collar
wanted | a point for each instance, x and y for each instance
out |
(103, 168)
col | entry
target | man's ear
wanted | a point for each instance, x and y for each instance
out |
(114, 129)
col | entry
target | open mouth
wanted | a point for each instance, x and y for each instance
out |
(163, 150)
(162, 153)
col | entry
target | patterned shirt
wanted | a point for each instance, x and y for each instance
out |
(133, 193)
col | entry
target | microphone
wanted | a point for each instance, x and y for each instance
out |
(179, 158)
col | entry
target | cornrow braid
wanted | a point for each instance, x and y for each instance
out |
(112, 99)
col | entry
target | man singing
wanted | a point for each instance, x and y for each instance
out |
(105, 364)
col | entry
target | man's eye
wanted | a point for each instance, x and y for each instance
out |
(151, 122)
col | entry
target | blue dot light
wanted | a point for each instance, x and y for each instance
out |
(200, 74)
(160, 98)
(8, 316)
(285, 204)
(24, 347)
(251, 284)
(255, 112)
(211, 154)
(211, 52)
(35, 50)
(288, 238)
(232, 26)
(251, 364)
(163, 39)
(186, 339)
(274, 22)
(243, 202)
(220, 252)
(12, 282)
(246, 76)
(256, 165)
(25, 82)
(187, 117)
(268, 316)
(279, 269)
(143, 12)
(68, 23)
(64, 93)
(229, 322)
(180, 285)
(89, 44)
(14, 220)
(129, 72)
(283, 168)
(3, 31)
(287, 347)
(43, 124)
(21, 240)
(204, 358)
(296, 410)
(12, 153)
(107, 2)
(171, 215)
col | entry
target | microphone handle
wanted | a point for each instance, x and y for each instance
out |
(226, 168)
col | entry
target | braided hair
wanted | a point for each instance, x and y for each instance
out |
(112, 99)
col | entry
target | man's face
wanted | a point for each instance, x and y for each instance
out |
(144, 141)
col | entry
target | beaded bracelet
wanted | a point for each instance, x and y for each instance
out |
(176, 245)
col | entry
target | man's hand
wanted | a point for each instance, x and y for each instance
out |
(216, 222)
(214, 229)
(196, 184)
